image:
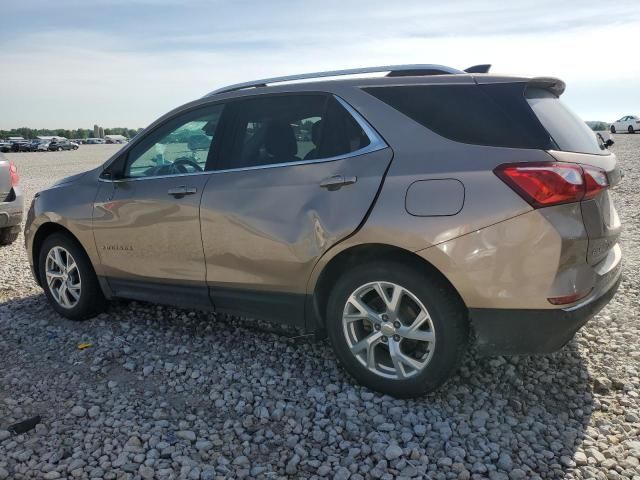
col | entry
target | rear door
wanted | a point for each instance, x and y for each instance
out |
(298, 174)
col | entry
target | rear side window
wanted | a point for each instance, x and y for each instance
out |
(494, 115)
(567, 129)
(290, 128)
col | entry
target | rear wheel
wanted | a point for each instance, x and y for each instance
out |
(612, 129)
(68, 278)
(59, 149)
(8, 235)
(396, 330)
(630, 129)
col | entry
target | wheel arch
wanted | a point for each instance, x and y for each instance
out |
(359, 254)
(45, 230)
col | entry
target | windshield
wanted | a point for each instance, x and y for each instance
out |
(568, 130)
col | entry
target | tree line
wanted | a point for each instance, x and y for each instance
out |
(29, 133)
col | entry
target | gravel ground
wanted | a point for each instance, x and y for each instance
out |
(170, 393)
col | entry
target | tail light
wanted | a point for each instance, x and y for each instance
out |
(548, 183)
(13, 174)
(595, 180)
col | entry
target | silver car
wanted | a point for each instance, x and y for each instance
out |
(11, 202)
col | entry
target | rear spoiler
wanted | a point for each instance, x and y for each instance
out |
(484, 68)
(553, 85)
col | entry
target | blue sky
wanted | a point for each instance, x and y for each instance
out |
(73, 63)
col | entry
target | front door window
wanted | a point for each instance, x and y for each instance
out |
(179, 147)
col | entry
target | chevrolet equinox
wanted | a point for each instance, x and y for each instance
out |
(405, 212)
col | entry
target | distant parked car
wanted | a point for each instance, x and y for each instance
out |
(41, 146)
(26, 146)
(60, 145)
(36, 145)
(20, 146)
(5, 146)
(628, 124)
(95, 141)
(11, 202)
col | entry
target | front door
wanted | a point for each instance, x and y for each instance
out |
(146, 219)
(298, 175)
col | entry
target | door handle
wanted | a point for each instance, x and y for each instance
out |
(337, 182)
(181, 191)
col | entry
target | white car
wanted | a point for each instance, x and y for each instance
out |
(628, 124)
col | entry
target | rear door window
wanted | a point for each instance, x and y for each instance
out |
(569, 132)
(280, 129)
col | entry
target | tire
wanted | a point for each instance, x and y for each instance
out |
(448, 323)
(630, 129)
(8, 235)
(90, 300)
(612, 129)
(75, 148)
(59, 149)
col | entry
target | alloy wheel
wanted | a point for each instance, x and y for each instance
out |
(63, 277)
(389, 330)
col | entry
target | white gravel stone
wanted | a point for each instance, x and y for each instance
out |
(146, 472)
(580, 458)
(392, 452)
(78, 411)
(186, 435)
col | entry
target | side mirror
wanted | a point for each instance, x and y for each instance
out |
(609, 143)
(115, 170)
(106, 174)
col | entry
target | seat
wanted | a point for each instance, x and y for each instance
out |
(280, 142)
(316, 131)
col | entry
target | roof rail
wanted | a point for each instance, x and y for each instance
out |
(393, 71)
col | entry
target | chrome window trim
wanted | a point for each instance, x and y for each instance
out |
(375, 143)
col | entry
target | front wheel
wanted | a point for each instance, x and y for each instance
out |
(395, 329)
(613, 129)
(68, 278)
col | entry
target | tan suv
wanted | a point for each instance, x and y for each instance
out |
(404, 215)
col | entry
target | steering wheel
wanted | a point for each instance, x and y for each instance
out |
(182, 163)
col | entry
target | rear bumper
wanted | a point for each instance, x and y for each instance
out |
(513, 331)
(11, 211)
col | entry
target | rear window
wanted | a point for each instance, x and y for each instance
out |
(567, 129)
(494, 115)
